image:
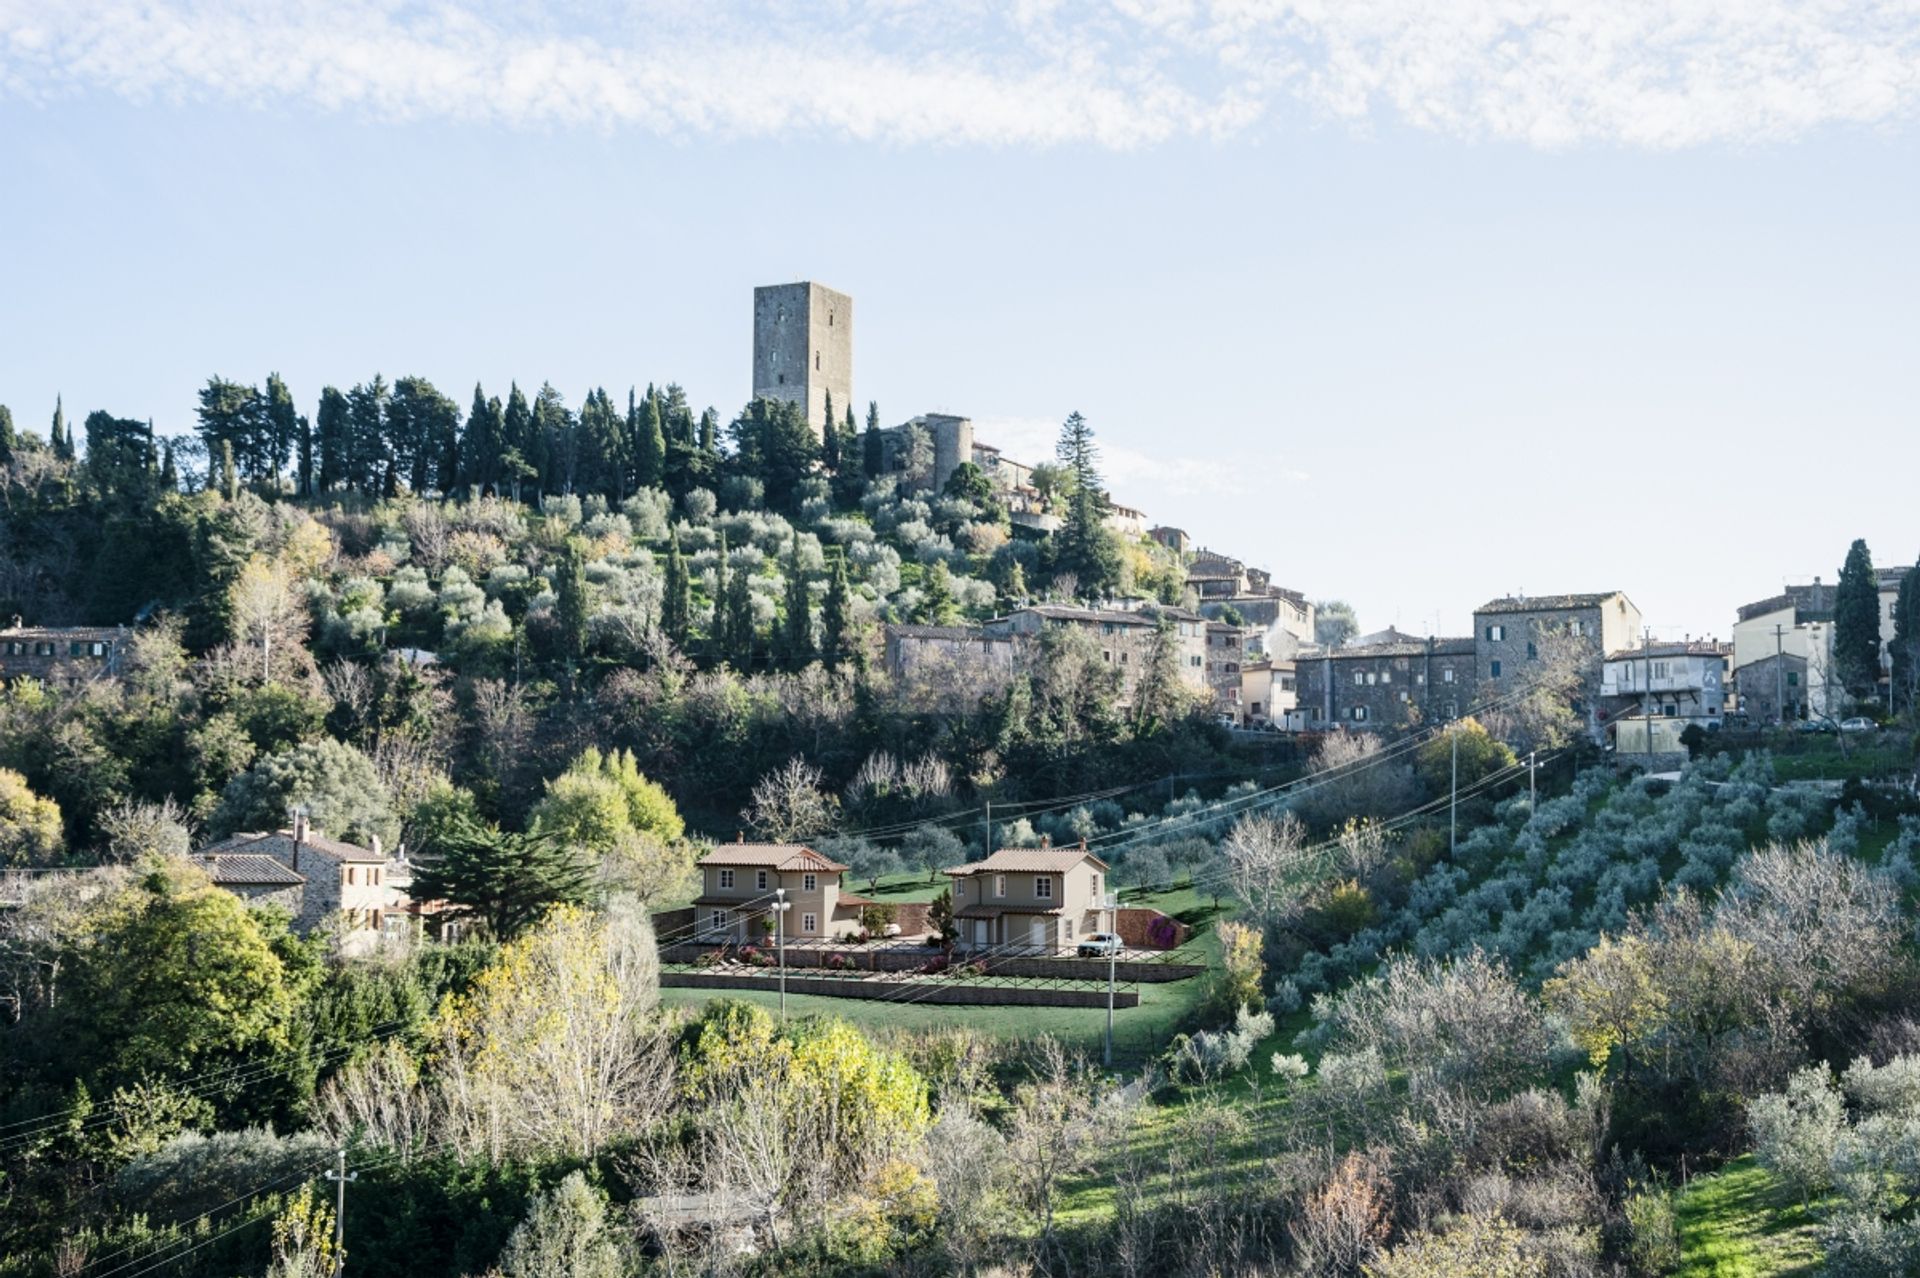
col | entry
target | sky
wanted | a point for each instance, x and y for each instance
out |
(1412, 305)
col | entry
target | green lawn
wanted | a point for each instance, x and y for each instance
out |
(1737, 1223)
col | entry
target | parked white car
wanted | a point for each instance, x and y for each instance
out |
(1858, 724)
(1099, 945)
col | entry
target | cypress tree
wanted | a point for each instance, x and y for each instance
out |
(836, 616)
(937, 607)
(875, 458)
(517, 432)
(829, 438)
(1906, 639)
(333, 428)
(741, 630)
(280, 428)
(676, 608)
(649, 446)
(1856, 623)
(483, 443)
(61, 441)
(572, 603)
(306, 456)
(718, 640)
(796, 631)
(169, 477)
(710, 434)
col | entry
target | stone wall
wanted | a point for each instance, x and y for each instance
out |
(956, 993)
(1134, 922)
(1394, 684)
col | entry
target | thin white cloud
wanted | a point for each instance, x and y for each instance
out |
(1123, 73)
(1134, 476)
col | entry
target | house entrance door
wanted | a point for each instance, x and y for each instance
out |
(982, 932)
(1039, 934)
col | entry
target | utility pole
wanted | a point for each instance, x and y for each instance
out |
(987, 848)
(1113, 965)
(780, 907)
(1533, 785)
(339, 1176)
(1453, 802)
(1779, 675)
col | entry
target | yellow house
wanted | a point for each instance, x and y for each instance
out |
(1036, 899)
(738, 882)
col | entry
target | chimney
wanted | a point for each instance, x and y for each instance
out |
(374, 847)
(299, 826)
(1046, 840)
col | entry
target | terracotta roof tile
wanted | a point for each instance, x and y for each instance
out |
(775, 856)
(1030, 861)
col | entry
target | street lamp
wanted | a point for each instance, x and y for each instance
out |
(780, 907)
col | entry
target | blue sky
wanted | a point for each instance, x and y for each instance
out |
(1412, 311)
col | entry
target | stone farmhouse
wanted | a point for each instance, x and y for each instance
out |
(1395, 681)
(329, 885)
(1033, 899)
(738, 882)
(69, 655)
(1126, 639)
(1513, 633)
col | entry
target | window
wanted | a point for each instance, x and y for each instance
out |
(1067, 928)
(1386, 676)
(97, 649)
(1043, 888)
(809, 923)
(1123, 658)
(349, 876)
(726, 878)
(1359, 714)
(1493, 669)
(808, 882)
(1446, 676)
(1670, 711)
(1106, 655)
(75, 648)
(999, 885)
(816, 361)
(1660, 669)
(1496, 634)
(1359, 679)
(760, 879)
(717, 920)
(1096, 889)
(1793, 679)
(1372, 677)
(1576, 627)
(1533, 652)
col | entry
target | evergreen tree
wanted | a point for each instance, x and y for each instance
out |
(774, 444)
(572, 602)
(709, 442)
(517, 430)
(837, 638)
(8, 437)
(796, 622)
(829, 438)
(306, 456)
(649, 444)
(229, 475)
(1084, 546)
(333, 427)
(169, 476)
(119, 456)
(484, 442)
(1856, 623)
(874, 459)
(676, 607)
(60, 441)
(937, 606)
(741, 630)
(718, 640)
(280, 428)
(1906, 640)
(1016, 587)
(506, 880)
(553, 435)
(423, 428)
(601, 456)
(234, 415)
(368, 457)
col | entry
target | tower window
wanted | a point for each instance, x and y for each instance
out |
(783, 379)
(816, 361)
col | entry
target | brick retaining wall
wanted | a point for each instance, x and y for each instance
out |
(957, 993)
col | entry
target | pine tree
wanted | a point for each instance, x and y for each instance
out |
(484, 442)
(836, 616)
(1084, 546)
(229, 476)
(796, 622)
(742, 632)
(507, 880)
(874, 460)
(1856, 623)
(676, 608)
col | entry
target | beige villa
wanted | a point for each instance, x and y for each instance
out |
(737, 886)
(1042, 898)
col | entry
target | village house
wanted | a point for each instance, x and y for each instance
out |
(1035, 899)
(68, 655)
(1126, 639)
(1226, 655)
(941, 651)
(738, 887)
(1511, 635)
(1269, 694)
(1783, 649)
(1651, 694)
(341, 887)
(1385, 685)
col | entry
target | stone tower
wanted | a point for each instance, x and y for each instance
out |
(803, 348)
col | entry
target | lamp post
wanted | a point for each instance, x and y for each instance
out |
(780, 907)
(1113, 964)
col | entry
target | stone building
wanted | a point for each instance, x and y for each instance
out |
(67, 655)
(1513, 635)
(1126, 639)
(803, 348)
(1783, 649)
(1278, 621)
(343, 886)
(951, 437)
(1651, 694)
(1381, 686)
(255, 879)
(1226, 657)
(969, 658)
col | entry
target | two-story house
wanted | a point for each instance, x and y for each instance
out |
(1513, 635)
(342, 886)
(1038, 899)
(1652, 693)
(62, 654)
(1391, 683)
(738, 886)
